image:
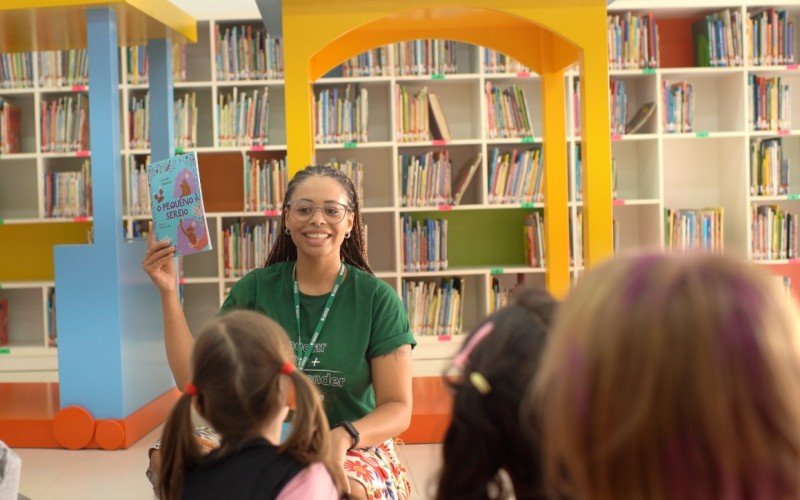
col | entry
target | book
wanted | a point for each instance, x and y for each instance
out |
(4, 322)
(438, 123)
(176, 201)
(640, 118)
(463, 179)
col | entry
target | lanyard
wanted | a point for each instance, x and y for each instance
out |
(302, 358)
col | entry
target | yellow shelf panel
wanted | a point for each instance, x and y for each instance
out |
(29, 25)
(26, 250)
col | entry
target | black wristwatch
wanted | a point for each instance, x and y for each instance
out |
(348, 427)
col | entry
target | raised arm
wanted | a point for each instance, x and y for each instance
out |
(159, 265)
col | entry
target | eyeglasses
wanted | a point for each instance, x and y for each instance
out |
(303, 211)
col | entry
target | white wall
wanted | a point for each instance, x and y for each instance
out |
(219, 9)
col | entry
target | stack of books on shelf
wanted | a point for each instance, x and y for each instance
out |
(243, 118)
(68, 194)
(769, 168)
(138, 187)
(774, 233)
(65, 124)
(426, 57)
(373, 62)
(633, 41)
(579, 175)
(434, 309)
(63, 68)
(246, 247)
(265, 182)
(424, 244)
(694, 229)
(426, 179)
(533, 231)
(516, 177)
(497, 63)
(138, 63)
(247, 53)
(9, 127)
(679, 102)
(341, 115)
(771, 38)
(507, 110)
(184, 124)
(499, 296)
(420, 117)
(718, 39)
(770, 103)
(354, 170)
(16, 70)
(619, 106)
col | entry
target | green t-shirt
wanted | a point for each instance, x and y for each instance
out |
(367, 319)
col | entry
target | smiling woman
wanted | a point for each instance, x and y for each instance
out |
(348, 329)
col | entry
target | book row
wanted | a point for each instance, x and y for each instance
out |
(341, 115)
(68, 194)
(719, 40)
(184, 121)
(243, 117)
(770, 103)
(65, 124)
(434, 308)
(694, 229)
(769, 168)
(774, 233)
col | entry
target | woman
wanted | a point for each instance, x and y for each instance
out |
(348, 329)
(672, 376)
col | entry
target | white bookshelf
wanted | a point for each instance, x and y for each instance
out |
(656, 170)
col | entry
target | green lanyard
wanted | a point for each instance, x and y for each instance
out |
(302, 358)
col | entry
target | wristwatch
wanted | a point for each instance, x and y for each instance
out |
(350, 429)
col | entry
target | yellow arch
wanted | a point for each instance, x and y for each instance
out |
(546, 35)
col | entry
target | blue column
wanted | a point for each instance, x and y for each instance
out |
(159, 75)
(111, 354)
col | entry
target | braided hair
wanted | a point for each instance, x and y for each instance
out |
(353, 250)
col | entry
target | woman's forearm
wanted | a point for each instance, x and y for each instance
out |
(177, 339)
(387, 421)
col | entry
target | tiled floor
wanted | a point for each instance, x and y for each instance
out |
(119, 475)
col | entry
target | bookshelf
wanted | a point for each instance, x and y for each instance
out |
(656, 170)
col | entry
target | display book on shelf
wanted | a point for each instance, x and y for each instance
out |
(642, 191)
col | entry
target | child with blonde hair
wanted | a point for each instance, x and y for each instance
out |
(242, 378)
(672, 376)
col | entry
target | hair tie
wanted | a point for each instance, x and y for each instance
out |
(287, 368)
(190, 389)
(480, 383)
(461, 359)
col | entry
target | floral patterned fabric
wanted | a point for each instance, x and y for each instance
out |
(379, 469)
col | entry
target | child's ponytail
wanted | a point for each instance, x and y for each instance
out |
(180, 450)
(309, 440)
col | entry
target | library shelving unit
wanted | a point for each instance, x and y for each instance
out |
(711, 165)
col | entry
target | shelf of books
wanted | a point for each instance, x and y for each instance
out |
(444, 142)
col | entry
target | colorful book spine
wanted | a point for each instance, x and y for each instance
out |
(633, 41)
(508, 111)
(434, 308)
(424, 244)
(243, 118)
(426, 57)
(774, 233)
(619, 106)
(678, 107)
(354, 170)
(184, 114)
(498, 63)
(10, 122)
(68, 194)
(63, 68)
(694, 229)
(769, 168)
(138, 189)
(16, 70)
(137, 66)
(426, 179)
(771, 38)
(719, 39)
(516, 176)
(247, 52)
(373, 62)
(65, 124)
(265, 182)
(533, 232)
(247, 247)
(499, 296)
(341, 115)
(413, 119)
(770, 103)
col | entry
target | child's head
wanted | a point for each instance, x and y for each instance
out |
(493, 370)
(330, 189)
(242, 376)
(672, 376)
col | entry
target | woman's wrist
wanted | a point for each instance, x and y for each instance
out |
(340, 439)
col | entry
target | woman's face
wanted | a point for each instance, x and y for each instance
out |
(316, 205)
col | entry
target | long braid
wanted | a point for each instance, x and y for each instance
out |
(353, 249)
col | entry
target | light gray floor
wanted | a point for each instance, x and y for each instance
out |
(119, 475)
